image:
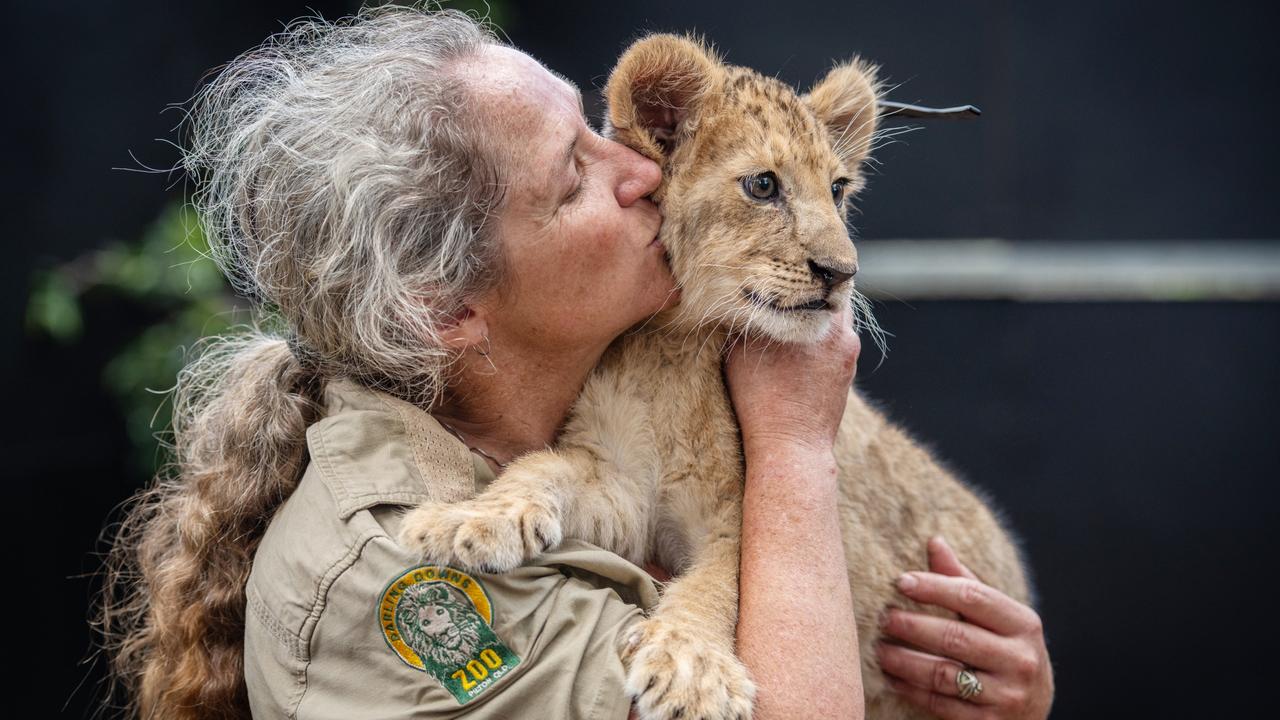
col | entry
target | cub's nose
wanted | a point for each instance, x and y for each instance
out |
(832, 273)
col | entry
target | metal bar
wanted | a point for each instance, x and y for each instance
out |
(1060, 271)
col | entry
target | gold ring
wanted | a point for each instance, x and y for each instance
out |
(969, 685)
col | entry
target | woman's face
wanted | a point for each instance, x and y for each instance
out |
(580, 238)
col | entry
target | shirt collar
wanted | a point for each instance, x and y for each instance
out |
(376, 449)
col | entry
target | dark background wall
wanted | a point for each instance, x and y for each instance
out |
(1133, 446)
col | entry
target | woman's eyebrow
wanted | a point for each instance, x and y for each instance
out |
(567, 157)
(576, 91)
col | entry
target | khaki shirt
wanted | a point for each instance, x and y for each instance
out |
(344, 623)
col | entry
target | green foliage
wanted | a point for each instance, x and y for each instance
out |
(54, 308)
(168, 271)
(502, 14)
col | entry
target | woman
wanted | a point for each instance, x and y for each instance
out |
(450, 249)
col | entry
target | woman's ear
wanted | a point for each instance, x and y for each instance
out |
(846, 102)
(467, 328)
(655, 91)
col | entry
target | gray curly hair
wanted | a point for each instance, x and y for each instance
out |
(344, 187)
(342, 182)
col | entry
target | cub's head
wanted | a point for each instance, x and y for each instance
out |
(756, 181)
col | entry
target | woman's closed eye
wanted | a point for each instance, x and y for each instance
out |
(582, 176)
(576, 191)
(580, 166)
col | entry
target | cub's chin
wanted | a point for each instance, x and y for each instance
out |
(797, 322)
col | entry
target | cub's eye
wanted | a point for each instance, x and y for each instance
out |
(761, 187)
(837, 189)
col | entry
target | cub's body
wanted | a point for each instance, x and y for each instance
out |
(649, 465)
(663, 399)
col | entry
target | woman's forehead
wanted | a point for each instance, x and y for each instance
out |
(533, 113)
(516, 82)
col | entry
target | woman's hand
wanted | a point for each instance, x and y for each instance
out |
(793, 395)
(998, 638)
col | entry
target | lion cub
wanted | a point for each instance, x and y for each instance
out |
(756, 181)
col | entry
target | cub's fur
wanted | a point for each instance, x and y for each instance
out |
(649, 465)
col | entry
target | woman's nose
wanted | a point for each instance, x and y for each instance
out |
(639, 177)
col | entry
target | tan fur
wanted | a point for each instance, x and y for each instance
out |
(650, 465)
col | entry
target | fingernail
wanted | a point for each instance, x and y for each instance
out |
(884, 619)
(907, 582)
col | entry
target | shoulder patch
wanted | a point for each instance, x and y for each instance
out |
(439, 620)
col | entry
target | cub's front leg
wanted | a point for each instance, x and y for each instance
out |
(517, 517)
(597, 485)
(681, 661)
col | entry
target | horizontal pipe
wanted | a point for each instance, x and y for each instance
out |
(1061, 271)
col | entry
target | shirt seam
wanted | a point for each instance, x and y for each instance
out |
(277, 629)
(598, 705)
(331, 575)
(388, 497)
(321, 458)
(321, 600)
(598, 701)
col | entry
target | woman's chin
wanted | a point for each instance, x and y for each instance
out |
(661, 296)
(672, 299)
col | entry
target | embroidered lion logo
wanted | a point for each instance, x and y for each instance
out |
(442, 629)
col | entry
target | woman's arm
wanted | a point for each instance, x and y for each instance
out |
(796, 630)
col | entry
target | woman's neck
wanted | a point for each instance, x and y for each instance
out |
(510, 403)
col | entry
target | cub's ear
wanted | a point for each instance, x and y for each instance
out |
(656, 90)
(845, 100)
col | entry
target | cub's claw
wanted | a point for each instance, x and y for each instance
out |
(487, 535)
(675, 671)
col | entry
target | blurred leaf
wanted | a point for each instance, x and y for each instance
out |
(500, 13)
(169, 269)
(54, 308)
(172, 261)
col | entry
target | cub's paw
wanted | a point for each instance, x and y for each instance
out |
(490, 535)
(674, 671)
(430, 528)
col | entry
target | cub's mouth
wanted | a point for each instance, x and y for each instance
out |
(761, 301)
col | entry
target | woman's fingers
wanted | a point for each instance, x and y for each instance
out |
(943, 560)
(977, 602)
(999, 636)
(942, 706)
(931, 672)
(956, 639)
